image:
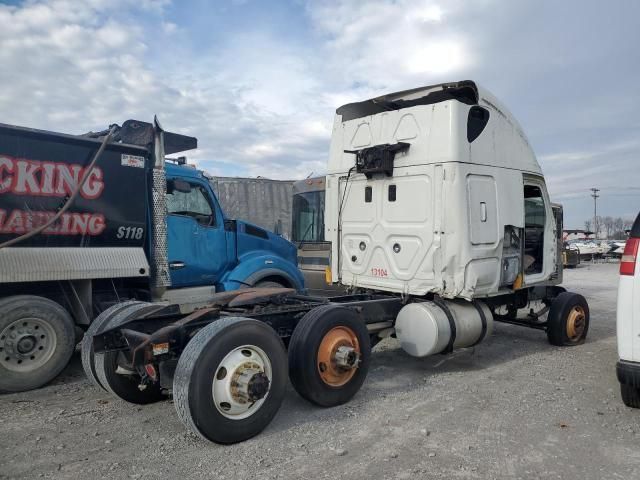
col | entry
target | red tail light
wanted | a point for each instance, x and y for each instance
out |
(628, 261)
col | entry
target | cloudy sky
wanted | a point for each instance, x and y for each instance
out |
(258, 81)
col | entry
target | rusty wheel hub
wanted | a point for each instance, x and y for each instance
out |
(576, 322)
(338, 356)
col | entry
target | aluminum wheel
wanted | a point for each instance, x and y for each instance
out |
(242, 382)
(27, 344)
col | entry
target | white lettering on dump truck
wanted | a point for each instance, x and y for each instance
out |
(52, 179)
(127, 233)
(20, 221)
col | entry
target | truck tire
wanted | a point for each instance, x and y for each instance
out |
(325, 337)
(568, 320)
(122, 385)
(630, 395)
(37, 339)
(86, 346)
(230, 380)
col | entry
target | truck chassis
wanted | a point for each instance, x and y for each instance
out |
(227, 364)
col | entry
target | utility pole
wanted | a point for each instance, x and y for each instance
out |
(594, 194)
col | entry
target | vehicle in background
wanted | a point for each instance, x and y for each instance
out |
(570, 256)
(307, 233)
(616, 248)
(628, 320)
(588, 249)
(89, 221)
(260, 201)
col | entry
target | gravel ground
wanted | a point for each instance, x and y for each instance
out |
(513, 407)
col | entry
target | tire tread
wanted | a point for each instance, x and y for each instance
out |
(86, 345)
(101, 363)
(556, 320)
(303, 381)
(630, 395)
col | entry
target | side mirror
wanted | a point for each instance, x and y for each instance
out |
(178, 185)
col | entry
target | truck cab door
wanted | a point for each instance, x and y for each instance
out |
(540, 242)
(196, 237)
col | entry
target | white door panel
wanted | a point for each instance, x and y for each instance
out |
(483, 209)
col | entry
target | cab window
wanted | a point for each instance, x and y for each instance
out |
(190, 200)
(308, 217)
(534, 222)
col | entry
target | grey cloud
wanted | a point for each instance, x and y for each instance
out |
(263, 105)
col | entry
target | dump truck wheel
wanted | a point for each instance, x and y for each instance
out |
(37, 339)
(568, 320)
(86, 346)
(230, 380)
(329, 355)
(630, 395)
(116, 376)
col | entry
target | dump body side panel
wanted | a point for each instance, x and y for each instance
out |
(38, 172)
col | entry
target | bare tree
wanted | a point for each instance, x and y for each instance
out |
(628, 223)
(587, 225)
(618, 228)
(607, 223)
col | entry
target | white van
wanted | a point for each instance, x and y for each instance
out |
(628, 320)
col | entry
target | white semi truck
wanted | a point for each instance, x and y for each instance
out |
(440, 224)
(436, 192)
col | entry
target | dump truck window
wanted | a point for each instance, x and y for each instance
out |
(194, 204)
(534, 222)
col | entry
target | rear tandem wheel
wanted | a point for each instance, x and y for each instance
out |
(329, 355)
(230, 380)
(86, 345)
(116, 376)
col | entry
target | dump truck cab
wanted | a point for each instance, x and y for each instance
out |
(206, 248)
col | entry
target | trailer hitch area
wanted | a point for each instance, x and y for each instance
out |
(146, 347)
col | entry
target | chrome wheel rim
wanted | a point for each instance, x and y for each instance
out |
(27, 344)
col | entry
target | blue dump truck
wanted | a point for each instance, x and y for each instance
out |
(100, 222)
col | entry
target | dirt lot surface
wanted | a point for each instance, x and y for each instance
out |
(513, 407)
